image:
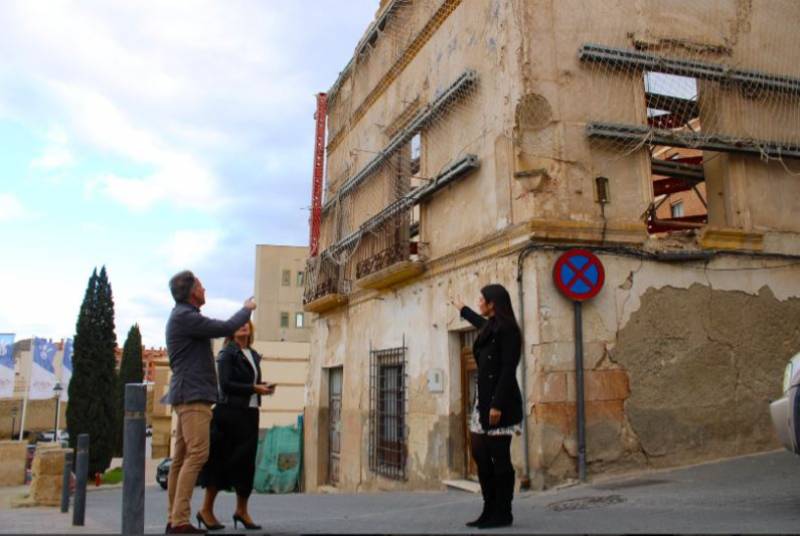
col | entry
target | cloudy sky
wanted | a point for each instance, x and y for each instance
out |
(154, 136)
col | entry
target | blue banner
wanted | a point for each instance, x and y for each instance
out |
(43, 371)
(66, 369)
(7, 350)
(67, 360)
(44, 353)
(6, 365)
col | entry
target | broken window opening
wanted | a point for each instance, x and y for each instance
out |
(677, 173)
(416, 153)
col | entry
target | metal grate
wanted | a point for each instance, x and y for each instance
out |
(388, 449)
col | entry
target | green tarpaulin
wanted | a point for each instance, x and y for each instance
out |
(279, 458)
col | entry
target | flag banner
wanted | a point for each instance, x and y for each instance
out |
(43, 370)
(66, 369)
(6, 365)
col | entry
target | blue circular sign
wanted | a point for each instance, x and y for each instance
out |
(579, 274)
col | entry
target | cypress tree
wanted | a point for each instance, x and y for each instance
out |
(92, 391)
(130, 371)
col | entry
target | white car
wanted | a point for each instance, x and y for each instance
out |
(786, 410)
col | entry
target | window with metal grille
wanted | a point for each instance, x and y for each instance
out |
(388, 449)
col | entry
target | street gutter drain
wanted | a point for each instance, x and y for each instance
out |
(586, 503)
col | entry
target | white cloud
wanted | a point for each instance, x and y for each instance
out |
(11, 208)
(57, 154)
(221, 307)
(181, 109)
(190, 247)
(180, 180)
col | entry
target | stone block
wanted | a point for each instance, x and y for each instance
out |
(559, 415)
(48, 461)
(606, 385)
(547, 444)
(46, 490)
(560, 356)
(12, 463)
(47, 473)
(550, 387)
(605, 410)
(562, 415)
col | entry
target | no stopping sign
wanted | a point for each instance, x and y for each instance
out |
(579, 274)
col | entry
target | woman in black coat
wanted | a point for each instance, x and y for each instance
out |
(234, 429)
(498, 409)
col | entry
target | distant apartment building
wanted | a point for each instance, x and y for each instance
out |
(280, 279)
(281, 330)
(149, 358)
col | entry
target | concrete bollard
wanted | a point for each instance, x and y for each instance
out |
(65, 482)
(81, 476)
(133, 462)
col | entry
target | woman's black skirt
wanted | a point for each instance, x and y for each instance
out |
(232, 457)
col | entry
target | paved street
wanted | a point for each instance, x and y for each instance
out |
(756, 494)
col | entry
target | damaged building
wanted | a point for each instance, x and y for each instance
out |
(472, 142)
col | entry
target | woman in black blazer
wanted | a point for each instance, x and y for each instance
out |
(234, 429)
(498, 409)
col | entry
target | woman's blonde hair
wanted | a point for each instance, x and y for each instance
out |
(230, 338)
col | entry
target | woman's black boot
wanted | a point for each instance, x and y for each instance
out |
(488, 492)
(504, 494)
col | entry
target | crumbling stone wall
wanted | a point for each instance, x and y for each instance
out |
(681, 362)
(704, 365)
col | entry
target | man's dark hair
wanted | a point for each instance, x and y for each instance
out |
(181, 286)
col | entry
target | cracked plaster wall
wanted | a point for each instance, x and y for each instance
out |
(681, 363)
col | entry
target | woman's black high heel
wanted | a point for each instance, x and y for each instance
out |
(201, 522)
(249, 526)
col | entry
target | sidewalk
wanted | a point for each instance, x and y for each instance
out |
(755, 494)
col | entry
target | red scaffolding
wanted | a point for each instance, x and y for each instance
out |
(315, 220)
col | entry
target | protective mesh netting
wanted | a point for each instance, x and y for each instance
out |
(370, 219)
(679, 100)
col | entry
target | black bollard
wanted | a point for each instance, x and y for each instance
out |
(65, 482)
(81, 476)
(133, 462)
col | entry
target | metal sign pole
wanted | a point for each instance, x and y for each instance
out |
(579, 275)
(581, 409)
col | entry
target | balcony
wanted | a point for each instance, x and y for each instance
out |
(325, 296)
(390, 267)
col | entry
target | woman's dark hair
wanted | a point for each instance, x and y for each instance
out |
(503, 312)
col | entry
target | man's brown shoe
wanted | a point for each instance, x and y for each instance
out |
(188, 528)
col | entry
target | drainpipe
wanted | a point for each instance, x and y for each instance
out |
(526, 479)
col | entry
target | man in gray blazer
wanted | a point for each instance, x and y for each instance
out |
(192, 389)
